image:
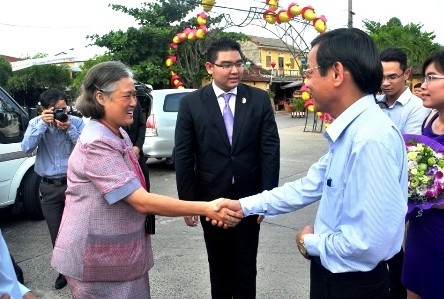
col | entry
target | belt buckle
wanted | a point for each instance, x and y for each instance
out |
(57, 182)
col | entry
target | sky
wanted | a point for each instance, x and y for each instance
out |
(50, 27)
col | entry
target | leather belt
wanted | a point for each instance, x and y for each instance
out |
(57, 182)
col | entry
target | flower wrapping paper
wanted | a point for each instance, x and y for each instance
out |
(425, 172)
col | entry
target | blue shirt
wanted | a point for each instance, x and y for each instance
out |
(362, 187)
(8, 279)
(53, 145)
(408, 112)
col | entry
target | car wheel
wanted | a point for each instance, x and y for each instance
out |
(170, 161)
(30, 190)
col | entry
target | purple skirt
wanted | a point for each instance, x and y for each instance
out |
(423, 269)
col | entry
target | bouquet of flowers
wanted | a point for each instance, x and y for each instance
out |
(425, 170)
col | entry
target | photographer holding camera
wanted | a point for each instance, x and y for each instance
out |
(54, 134)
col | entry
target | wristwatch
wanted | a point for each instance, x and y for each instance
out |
(301, 246)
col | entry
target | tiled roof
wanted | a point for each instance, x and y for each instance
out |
(270, 42)
(259, 74)
(10, 58)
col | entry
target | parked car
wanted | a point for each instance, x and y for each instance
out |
(161, 124)
(19, 183)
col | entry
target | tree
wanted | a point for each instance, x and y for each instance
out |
(79, 76)
(5, 71)
(27, 84)
(145, 49)
(417, 44)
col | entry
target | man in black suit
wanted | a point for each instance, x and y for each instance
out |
(211, 163)
(136, 132)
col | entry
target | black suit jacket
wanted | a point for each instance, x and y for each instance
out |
(204, 160)
(136, 131)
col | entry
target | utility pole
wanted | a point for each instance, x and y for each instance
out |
(350, 14)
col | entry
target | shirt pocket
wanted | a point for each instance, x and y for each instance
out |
(331, 204)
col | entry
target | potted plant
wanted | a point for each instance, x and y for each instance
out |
(298, 107)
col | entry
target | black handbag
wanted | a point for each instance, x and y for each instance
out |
(150, 224)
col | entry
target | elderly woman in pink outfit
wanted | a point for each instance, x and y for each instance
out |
(102, 247)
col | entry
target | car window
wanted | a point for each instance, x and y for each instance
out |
(171, 103)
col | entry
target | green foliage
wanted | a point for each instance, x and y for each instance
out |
(417, 44)
(5, 71)
(79, 76)
(27, 84)
(145, 49)
(298, 104)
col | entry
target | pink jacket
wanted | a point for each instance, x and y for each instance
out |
(102, 237)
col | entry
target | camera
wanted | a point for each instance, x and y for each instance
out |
(60, 115)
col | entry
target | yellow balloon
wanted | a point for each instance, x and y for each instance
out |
(311, 108)
(208, 4)
(320, 26)
(305, 95)
(309, 15)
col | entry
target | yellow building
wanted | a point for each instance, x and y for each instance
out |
(274, 66)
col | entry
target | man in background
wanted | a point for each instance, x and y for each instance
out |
(417, 89)
(407, 112)
(53, 134)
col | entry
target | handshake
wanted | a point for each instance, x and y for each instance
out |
(225, 212)
(222, 212)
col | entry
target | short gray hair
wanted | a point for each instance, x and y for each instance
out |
(101, 77)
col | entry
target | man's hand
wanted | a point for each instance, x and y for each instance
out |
(48, 117)
(63, 125)
(29, 295)
(191, 220)
(136, 151)
(308, 229)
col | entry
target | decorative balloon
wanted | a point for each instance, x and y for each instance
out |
(272, 15)
(306, 96)
(194, 33)
(282, 16)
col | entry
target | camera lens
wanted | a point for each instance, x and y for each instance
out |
(60, 115)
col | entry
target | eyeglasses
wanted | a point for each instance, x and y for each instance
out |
(229, 66)
(429, 78)
(309, 72)
(392, 78)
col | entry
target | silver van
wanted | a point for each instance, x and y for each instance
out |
(161, 124)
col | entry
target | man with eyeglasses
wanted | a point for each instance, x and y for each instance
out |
(227, 145)
(361, 183)
(54, 134)
(407, 112)
(403, 107)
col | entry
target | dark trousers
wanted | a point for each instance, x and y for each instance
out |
(397, 289)
(53, 203)
(232, 258)
(324, 284)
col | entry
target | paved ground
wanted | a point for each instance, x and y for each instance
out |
(181, 269)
